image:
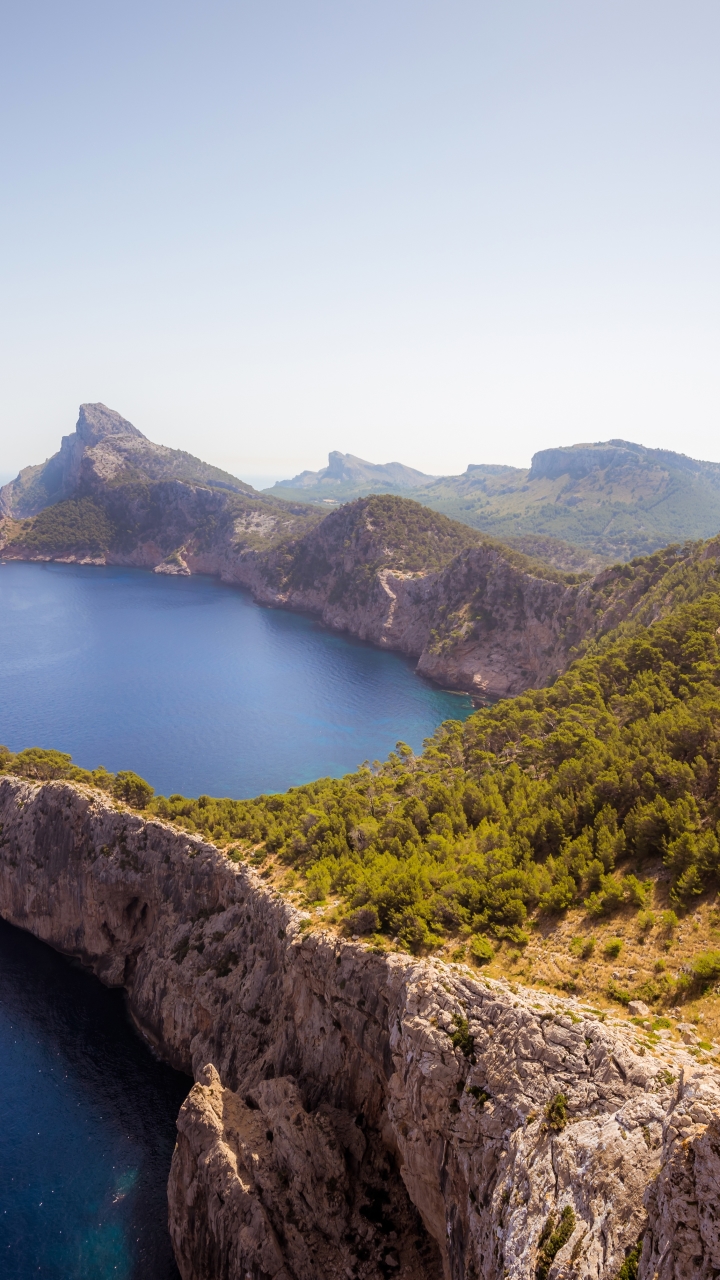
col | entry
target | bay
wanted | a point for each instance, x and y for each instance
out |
(195, 687)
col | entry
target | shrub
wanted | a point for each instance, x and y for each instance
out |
(669, 923)
(618, 993)
(462, 1038)
(134, 790)
(556, 1112)
(612, 948)
(629, 1268)
(646, 921)
(706, 967)
(582, 948)
(560, 896)
(481, 951)
(36, 762)
(551, 1241)
(364, 920)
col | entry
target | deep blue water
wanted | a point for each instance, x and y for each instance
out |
(87, 1127)
(192, 685)
(198, 689)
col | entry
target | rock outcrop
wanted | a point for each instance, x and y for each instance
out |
(365, 1114)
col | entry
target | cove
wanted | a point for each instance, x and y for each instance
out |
(87, 1117)
(194, 686)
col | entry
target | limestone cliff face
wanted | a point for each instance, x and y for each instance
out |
(359, 1114)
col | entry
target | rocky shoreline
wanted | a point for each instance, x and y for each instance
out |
(365, 1114)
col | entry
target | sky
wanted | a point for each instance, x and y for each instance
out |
(442, 233)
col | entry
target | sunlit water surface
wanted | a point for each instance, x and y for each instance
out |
(199, 690)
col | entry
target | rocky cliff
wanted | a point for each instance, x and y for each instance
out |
(359, 1114)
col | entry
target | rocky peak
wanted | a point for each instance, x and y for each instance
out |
(96, 422)
(579, 460)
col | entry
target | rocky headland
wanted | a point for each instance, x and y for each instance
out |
(366, 1114)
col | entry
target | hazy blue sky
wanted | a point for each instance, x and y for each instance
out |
(440, 232)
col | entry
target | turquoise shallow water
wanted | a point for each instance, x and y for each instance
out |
(192, 685)
(198, 689)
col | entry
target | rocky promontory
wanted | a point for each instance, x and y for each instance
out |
(359, 1113)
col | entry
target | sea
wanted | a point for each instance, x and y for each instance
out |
(189, 683)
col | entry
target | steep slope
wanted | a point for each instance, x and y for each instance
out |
(347, 477)
(359, 1114)
(105, 449)
(477, 615)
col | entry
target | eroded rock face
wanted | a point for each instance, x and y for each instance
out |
(683, 1240)
(357, 1114)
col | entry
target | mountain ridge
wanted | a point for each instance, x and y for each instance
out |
(104, 445)
(598, 502)
(354, 477)
(476, 614)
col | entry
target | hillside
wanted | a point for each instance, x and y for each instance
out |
(347, 477)
(579, 507)
(616, 500)
(358, 1112)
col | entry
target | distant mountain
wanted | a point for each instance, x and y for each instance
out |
(347, 477)
(612, 500)
(577, 507)
(105, 448)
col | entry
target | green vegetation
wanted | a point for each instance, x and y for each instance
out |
(616, 508)
(531, 806)
(612, 948)
(629, 1268)
(134, 790)
(481, 950)
(556, 1112)
(552, 1240)
(461, 1037)
(582, 948)
(77, 525)
(706, 968)
(44, 766)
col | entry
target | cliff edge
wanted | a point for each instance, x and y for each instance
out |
(359, 1114)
